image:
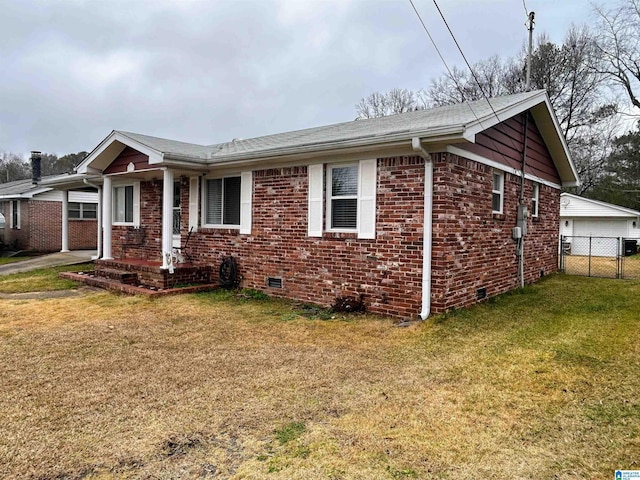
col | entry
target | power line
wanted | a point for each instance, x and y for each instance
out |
(424, 26)
(456, 82)
(473, 74)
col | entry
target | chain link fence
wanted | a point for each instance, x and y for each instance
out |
(609, 257)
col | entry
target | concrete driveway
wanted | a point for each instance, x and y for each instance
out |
(46, 261)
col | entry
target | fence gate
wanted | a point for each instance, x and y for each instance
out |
(610, 257)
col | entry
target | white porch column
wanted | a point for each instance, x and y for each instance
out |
(167, 217)
(99, 224)
(106, 218)
(65, 221)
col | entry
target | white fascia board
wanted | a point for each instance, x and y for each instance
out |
(501, 115)
(499, 166)
(154, 155)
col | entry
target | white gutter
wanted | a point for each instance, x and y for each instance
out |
(427, 227)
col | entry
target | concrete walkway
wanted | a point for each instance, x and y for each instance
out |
(46, 261)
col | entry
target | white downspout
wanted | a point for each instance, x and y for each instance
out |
(427, 227)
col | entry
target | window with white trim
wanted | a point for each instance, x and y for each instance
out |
(535, 200)
(497, 192)
(222, 202)
(342, 197)
(123, 203)
(15, 214)
(83, 211)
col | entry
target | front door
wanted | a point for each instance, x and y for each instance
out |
(176, 215)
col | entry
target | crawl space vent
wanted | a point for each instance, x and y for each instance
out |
(481, 293)
(274, 282)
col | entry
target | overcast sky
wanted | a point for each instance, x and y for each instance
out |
(210, 71)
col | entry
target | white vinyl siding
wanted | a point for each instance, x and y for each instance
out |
(497, 194)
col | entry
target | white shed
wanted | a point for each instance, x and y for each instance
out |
(593, 224)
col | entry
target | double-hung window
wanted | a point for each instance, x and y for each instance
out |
(222, 202)
(82, 211)
(123, 204)
(342, 186)
(535, 200)
(497, 193)
(346, 193)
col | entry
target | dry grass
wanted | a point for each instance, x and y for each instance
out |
(606, 267)
(41, 280)
(536, 385)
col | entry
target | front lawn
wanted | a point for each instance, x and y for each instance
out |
(537, 384)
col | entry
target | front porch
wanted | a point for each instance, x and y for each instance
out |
(140, 276)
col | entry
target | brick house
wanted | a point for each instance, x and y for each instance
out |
(413, 213)
(33, 217)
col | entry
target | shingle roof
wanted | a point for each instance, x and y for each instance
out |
(165, 145)
(20, 188)
(433, 121)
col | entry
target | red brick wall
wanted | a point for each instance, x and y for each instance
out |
(387, 270)
(472, 247)
(45, 229)
(41, 228)
(145, 242)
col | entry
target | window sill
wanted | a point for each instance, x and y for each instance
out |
(226, 230)
(535, 219)
(498, 216)
(339, 235)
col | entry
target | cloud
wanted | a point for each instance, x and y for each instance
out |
(208, 72)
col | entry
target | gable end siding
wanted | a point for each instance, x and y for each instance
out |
(127, 156)
(503, 143)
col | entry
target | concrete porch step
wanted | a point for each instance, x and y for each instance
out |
(122, 276)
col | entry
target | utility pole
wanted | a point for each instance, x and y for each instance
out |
(530, 21)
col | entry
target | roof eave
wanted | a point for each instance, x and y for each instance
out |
(454, 133)
(102, 156)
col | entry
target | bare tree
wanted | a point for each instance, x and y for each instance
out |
(397, 100)
(618, 41)
(491, 78)
(13, 167)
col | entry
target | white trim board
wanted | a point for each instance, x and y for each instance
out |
(499, 166)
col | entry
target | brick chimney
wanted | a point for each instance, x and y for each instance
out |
(36, 167)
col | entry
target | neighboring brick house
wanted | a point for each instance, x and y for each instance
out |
(33, 217)
(413, 213)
